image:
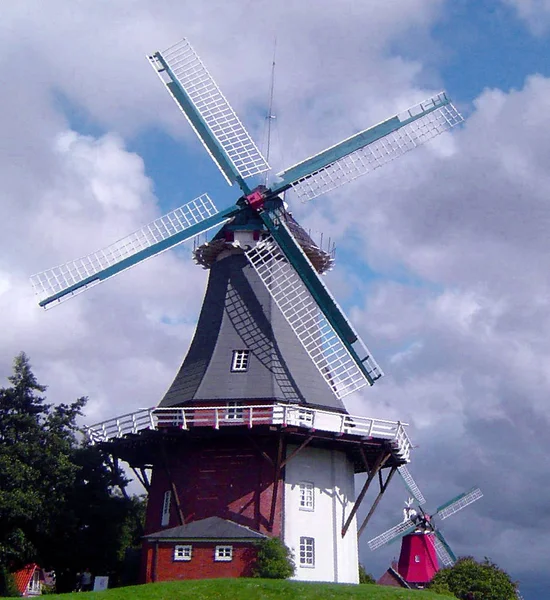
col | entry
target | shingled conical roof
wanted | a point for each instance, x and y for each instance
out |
(239, 314)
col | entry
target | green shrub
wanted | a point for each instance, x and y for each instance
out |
(365, 577)
(8, 588)
(274, 560)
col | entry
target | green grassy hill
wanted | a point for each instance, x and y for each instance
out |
(251, 589)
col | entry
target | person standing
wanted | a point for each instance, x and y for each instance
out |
(86, 581)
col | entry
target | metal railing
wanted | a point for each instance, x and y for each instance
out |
(217, 416)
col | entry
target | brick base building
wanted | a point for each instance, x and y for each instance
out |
(204, 549)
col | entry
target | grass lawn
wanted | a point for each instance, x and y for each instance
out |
(250, 589)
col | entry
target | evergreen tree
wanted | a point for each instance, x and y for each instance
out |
(58, 501)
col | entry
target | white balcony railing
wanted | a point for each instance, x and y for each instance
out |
(251, 416)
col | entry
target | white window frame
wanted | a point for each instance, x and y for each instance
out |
(235, 411)
(307, 496)
(305, 417)
(34, 587)
(223, 554)
(165, 516)
(307, 552)
(183, 552)
(240, 361)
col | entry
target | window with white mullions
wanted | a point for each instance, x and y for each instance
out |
(234, 411)
(240, 361)
(307, 496)
(223, 553)
(183, 553)
(307, 552)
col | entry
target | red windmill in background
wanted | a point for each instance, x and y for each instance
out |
(423, 543)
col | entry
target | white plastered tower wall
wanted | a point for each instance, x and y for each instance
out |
(331, 474)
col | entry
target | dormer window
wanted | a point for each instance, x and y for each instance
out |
(239, 363)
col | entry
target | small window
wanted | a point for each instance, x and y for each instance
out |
(307, 552)
(165, 519)
(224, 553)
(239, 363)
(234, 411)
(307, 495)
(305, 417)
(182, 552)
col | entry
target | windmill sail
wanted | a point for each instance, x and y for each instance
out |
(410, 484)
(392, 534)
(444, 552)
(458, 503)
(209, 113)
(166, 232)
(370, 149)
(321, 327)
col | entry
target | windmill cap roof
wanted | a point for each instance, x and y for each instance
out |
(212, 528)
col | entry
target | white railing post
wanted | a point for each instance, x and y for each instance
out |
(250, 418)
(217, 420)
(183, 418)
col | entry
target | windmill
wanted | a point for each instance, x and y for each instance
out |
(252, 432)
(422, 541)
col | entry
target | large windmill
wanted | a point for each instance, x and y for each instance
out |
(422, 541)
(252, 437)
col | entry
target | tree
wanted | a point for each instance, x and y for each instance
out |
(59, 505)
(274, 560)
(470, 579)
(365, 577)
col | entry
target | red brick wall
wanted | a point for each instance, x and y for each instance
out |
(227, 478)
(202, 564)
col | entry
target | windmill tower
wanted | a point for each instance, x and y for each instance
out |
(422, 542)
(252, 439)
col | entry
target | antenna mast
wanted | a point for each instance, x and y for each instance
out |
(270, 116)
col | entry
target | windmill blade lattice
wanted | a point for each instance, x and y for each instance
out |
(173, 228)
(208, 111)
(410, 484)
(372, 148)
(444, 552)
(458, 503)
(304, 315)
(393, 534)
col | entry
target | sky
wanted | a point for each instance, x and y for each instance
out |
(442, 255)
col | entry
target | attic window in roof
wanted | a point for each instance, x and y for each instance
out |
(239, 362)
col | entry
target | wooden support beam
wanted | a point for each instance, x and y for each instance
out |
(296, 451)
(262, 452)
(146, 482)
(364, 457)
(276, 477)
(142, 478)
(383, 487)
(380, 462)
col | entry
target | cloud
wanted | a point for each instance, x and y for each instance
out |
(536, 14)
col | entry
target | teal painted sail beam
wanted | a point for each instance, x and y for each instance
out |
(455, 499)
(144, 254)
(324, 300)
(445, 545)
(201, 128)
(352, 144)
